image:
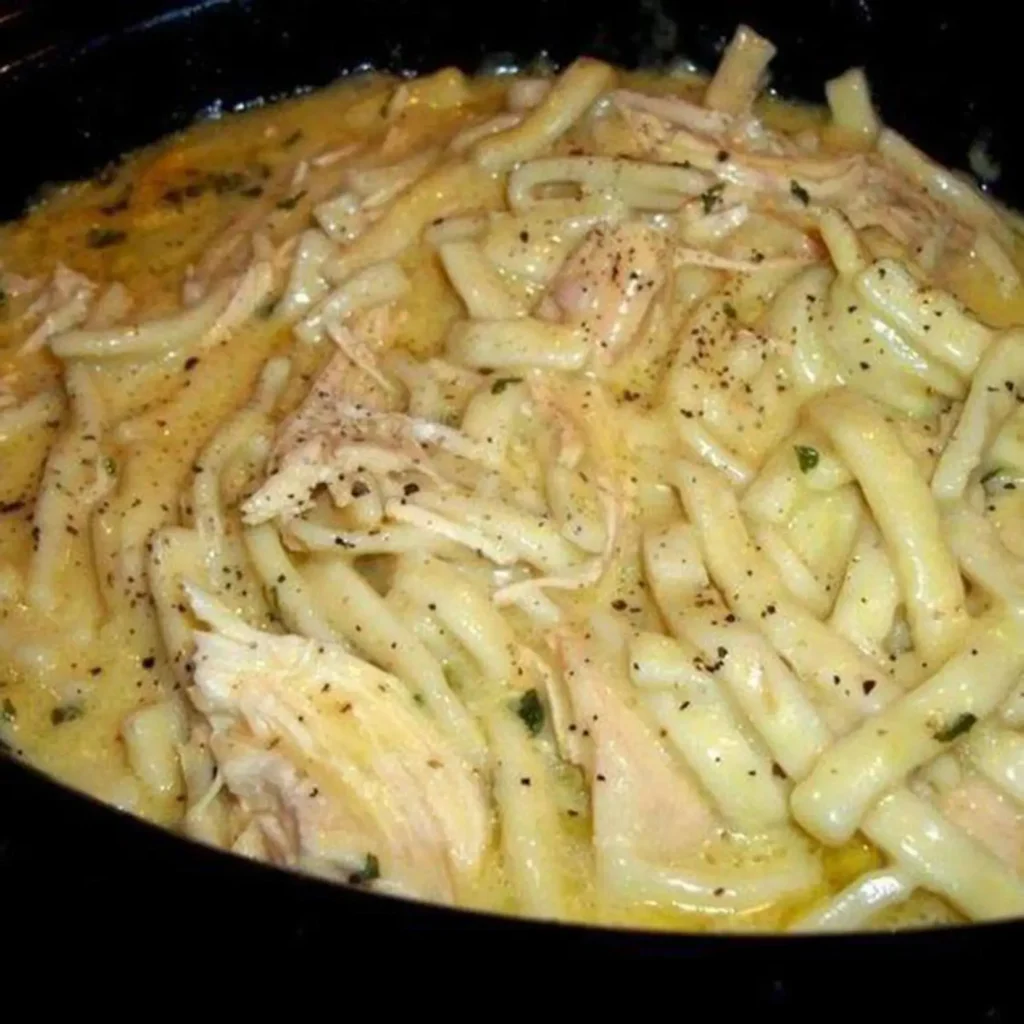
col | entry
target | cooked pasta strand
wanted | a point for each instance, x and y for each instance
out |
(567, 100)
(930, 581)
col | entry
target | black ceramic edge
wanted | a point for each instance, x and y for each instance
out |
(136, 855)
(113, 850)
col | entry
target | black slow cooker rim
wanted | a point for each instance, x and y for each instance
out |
(39, 815)
(37, 812)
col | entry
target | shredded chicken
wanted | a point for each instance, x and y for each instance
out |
(358, 352)
(15, 286)
(906, 211)
(715, 126)
(762, 171)
(64, 304)
(302, 450)
(335, 762)
(347, 429)
(643, 804)
(606, 285)
(742, 152)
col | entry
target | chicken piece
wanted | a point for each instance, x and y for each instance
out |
(341, 385)
(713, 124)
(656, 839)
(607, 284)
(753, 166)
(358, 352)
(726, 131)
(343, 773)
(63, 305)
(904, 209)
(348, 428)
(16, 286)
(306, 449)
(991, 818)
(644, 806)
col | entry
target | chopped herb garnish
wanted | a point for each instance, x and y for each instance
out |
(292, 201)
(104, 238)
(369, 872)
(109, 466)
(711, 197)
(503, 382)
(65, 713)
(990, 475)
(119, 205)
(807, 457)
(730, 310)
(8, 712)
(531, 711)
(799, 192)
(223, 182)
(960, 725)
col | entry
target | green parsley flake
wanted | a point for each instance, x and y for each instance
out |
(960, 725)
(807, 457)
(104, 238)
(711, 197)
(531, 711)
(504, 382)
(369, 872)
(799, 192)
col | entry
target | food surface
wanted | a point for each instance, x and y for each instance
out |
(592, 497)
